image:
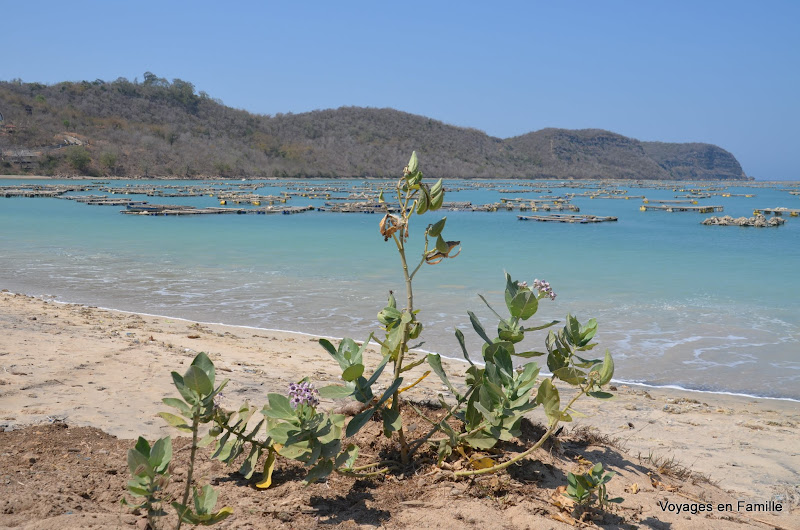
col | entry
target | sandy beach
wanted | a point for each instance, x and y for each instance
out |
(107, 369)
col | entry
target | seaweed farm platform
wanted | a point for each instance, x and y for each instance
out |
(566, 218)
(680, 208)
(793, 212)
(155, 209)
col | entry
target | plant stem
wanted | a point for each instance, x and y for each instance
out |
(411, 277)
(398, 364)
(436, 426)
(190, 469)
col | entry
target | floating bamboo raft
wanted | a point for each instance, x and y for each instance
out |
(156, 209)
(566, 218)
(8, 193)
(680, 208)
(793, 212)
(677, 201)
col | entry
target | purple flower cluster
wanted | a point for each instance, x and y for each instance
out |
(544, 288)
(304, 392)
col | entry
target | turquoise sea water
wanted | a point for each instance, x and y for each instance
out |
(701, 307)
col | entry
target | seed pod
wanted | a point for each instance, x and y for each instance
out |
(413, 163)
(435, 229)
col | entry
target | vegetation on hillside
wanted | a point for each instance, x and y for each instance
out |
(161, 128)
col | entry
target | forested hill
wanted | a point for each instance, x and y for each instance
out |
(160, 128)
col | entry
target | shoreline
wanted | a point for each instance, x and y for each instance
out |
(110, 369)
(460, 361)
(730, 183)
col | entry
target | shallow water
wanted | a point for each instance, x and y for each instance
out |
(678, 303)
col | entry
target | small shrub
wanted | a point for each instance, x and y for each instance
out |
(591, 486)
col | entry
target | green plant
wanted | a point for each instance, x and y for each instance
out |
(499, 394)
(149, 468)
(291, 427)
(590, 486)
(490, 409)
(197, 407)
(149, 465)
(78, 157)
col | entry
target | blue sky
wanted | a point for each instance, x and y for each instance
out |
(723, 72)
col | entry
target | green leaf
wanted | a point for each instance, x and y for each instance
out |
(587, 332)
(161, 454)
(222, 447)
(335, 392)
(391, 422)
(205, 500)
(348, 349)
(325, 343)
(490, 307)
(191, 397)
(537, 328)
(378, 370)
(460, 338)
(347, 458)
(573, 330)
(249, 464)
(138, 464)
(600, 394)
(476, 325)
(176, 421)
(547, 396)
(509, 330)
(512, 287)
(607, 370)
(178, 404)
(435, 360)
(413, 364)
(502, 359)
(185, 513)
(197, 380)
(523, 305)
(140, 492)
(529, 354)
(204, 363)
(480, 440)
(490, 350)
(143, 446)
(353, 372)
(279, 407)
(320, 471)
(358, 421)
(435, 229)
(389, 391)
(389, 315)
(570, 375)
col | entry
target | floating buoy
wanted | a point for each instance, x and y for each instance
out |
(223, 202)
(643, 208)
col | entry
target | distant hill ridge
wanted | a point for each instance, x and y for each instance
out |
(159, 128)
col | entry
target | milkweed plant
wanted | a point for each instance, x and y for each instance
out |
(497, 394)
